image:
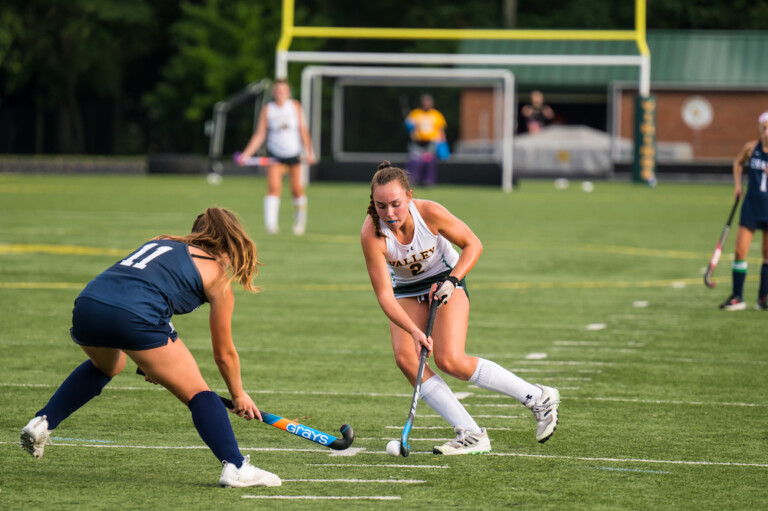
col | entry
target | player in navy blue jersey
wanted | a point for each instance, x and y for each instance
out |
(754, 216)
(126, 312)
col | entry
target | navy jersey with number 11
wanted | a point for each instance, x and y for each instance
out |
(154, 282)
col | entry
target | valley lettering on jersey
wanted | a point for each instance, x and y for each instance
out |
(420, 256)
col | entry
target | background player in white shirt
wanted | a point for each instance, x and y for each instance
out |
(282, 125)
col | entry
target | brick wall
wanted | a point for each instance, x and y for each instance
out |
(734, 120)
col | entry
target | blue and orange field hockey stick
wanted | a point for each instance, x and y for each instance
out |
(311, 434)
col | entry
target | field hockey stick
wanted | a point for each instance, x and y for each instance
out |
(311, 434)
(405, 447)
(254, 161)
(719, 248)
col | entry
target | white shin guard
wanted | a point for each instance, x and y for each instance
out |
(491, 376)
(299, 215)
(271, 213)
(438, 395)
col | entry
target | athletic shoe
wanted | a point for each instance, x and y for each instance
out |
(762, 303)
(465, 443)
(35, 435)
(734, 303)
(545, 411)
(246, 475)
(299, 228)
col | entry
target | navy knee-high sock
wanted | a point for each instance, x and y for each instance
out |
(212, 423)
(739, 275)
(82, 385)
(763, 280)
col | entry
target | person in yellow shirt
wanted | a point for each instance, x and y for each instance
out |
(426, 126)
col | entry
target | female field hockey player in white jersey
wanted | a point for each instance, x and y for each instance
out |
(410, 260)
(283, 126)
(127, 309)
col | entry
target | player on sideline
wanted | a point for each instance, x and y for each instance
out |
(283, 126)
(754, 216)
(410, 260)
(126, 310)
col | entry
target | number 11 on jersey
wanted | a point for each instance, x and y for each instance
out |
(131, 261)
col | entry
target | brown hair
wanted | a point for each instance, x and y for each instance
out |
(219, 232)
(386, 173)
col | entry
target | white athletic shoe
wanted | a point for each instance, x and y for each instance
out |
(299, 228)
(545, 411)
(35, 435)
(465, 443)
(246, 475)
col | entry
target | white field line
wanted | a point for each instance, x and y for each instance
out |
(275, 392)
(410, 439)
(592, 350)
(633, 460)
(580, 458)
(479, 416)
(178, 447)
(388, 465)
(353, 481)
(349, 451)
(318, 497)
(666, 402)
(547, 362)
(377, 394)
(447, 428)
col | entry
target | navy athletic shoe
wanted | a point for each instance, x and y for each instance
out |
(762, 303)
(734, 303)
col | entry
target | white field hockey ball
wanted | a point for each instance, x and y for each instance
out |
(393, 448)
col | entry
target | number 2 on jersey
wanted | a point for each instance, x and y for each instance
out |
(131, 261)
(416, 268)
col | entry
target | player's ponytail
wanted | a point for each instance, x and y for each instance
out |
(220, 233)
(385, 174)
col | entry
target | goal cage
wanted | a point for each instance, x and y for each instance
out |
(392, 70)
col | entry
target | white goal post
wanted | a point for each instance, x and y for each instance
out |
(501, 80)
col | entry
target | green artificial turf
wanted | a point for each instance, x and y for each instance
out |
(665, 407)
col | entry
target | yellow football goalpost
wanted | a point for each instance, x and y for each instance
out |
(645, 145)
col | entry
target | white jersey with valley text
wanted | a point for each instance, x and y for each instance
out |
(283, 140)
(425, 256)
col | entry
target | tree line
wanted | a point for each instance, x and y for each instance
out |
(138, 76)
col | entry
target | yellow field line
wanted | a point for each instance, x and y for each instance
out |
(41, 285)
(23, 248)
(598, 284)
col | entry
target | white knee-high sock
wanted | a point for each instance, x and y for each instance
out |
(271, 212)
(438, 395)
(299, 214)
(491, 376)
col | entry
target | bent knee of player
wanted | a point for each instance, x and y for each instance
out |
(454, 364)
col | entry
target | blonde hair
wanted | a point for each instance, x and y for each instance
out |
(386, 173)
(219, 232)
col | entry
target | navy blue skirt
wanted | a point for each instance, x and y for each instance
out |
(97, 324)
